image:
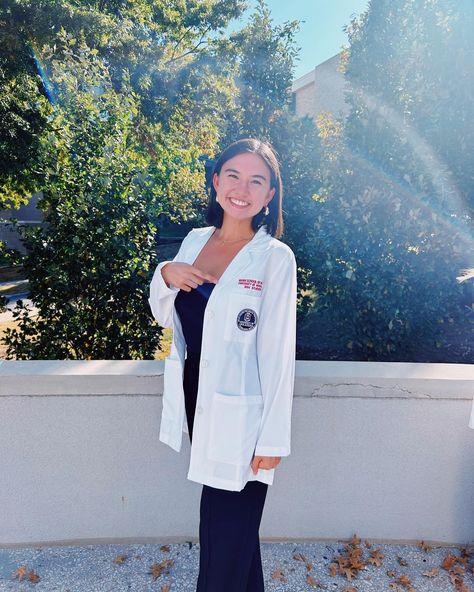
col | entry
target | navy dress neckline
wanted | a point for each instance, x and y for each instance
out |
(190, 307)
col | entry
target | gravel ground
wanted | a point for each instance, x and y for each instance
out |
(288, 567)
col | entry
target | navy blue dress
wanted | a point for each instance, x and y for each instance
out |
(229, 557)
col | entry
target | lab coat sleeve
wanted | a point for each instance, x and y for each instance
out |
(276, 353)
(161, 297)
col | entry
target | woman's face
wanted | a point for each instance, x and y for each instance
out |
(243, 185)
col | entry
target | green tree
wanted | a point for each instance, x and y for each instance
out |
(108, 175)
(151, 45)
(88, 270)
(394, 222)
(263, 57)
(118, 155)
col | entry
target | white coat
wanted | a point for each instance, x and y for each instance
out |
(247, 364)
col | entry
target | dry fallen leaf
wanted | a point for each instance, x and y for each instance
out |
(456, 580)
(350, 562)
(313, 583)
(402, 561)
(33, 577)
(299, 557)
(430, 574)
(165, 548)
(456, 572)
(355, 559)
(120, 558)
(449, 561)
(348, 572)
(20, 572)
(404, 580)
(158, 568)
(426, 547)
(165, 588)
(376, 557)
(391, 573)
(278, 574)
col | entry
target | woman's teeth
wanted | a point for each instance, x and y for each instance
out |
(237, 202)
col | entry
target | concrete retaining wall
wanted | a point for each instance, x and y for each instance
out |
(379, 449)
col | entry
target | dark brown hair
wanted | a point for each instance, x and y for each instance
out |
(274, 220)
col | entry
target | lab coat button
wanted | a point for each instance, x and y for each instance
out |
(199, 409)
(204, 363)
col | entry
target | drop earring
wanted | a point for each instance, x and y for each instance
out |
(267, 211)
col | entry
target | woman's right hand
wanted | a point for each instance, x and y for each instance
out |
(185, 276)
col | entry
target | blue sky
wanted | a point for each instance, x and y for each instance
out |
(321, 35)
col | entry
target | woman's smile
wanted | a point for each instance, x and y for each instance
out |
(238, 202)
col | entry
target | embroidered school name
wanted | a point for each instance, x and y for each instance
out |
(256, 285)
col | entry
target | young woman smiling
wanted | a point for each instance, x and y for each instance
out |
(230, 296)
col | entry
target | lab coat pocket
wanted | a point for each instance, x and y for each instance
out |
(172, 387)
(235, 421)
(243, 312)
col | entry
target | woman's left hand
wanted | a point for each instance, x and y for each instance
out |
(264, 462)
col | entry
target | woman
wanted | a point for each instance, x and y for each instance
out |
(230, 296)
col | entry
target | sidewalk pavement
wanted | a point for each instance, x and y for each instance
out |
(21, 294)
(288, 567)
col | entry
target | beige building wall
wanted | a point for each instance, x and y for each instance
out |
(322, 90)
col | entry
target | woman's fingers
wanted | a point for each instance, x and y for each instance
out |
(204, 275)
(185, 276)
(264, 462)
(196, 278)
(255, 464)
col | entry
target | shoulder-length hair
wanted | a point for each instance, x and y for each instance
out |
(274, 220)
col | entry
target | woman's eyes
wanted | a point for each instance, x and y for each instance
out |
(235, 177)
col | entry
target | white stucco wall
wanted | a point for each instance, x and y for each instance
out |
(379, 449)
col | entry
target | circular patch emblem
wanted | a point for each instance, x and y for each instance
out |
(247, 319)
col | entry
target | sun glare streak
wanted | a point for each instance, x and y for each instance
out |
(439, 173)
(42, 74)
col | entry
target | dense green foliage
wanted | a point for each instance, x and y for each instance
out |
(110, 108)
(157, 48)
(394, 227)
(132, 111)
(87, 272)
(266, 55)
(119, 154)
